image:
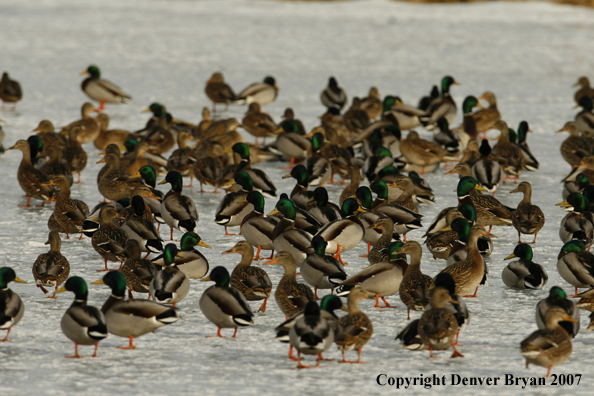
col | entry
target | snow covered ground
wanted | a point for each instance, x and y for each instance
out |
(529, 54)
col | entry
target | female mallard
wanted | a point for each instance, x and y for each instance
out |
(141, 229)
(189, 260)
(68, 213)
(132, 318)
(13, 307)
(489, 211)
(109, 136)
(528, 218)
(225, 306)
(557, 298)
(438, 325)
(379, 252)
(116, 184)
(291, 297)
(47, 133)
(505, 149)
(137, 272)
(351, 188)
(234, 207)
(10, 91)
(333, 96)
(442, 106)
(320, 270)
(524, 273)
(178, 211)
(382, 278)
(257, 229)
(263, 93)
(578, 224)
(56, 164)
(74, 154)
(414, 284)
(487, 171)
(259, 124)
(575, 148)
(209, 165)
(344, 234)
(354, 330)
(550, 347)
(89, 128)
(291, 143)
(485, 118)
(182, 159)
(82, 323)
(422, 152)
(406, 199)
(51, 269)
(101, 90)
(160, 137)
(109, 241)
(576, 265)
(218, 91)
(29, 178)
(170, 285)
(285, 237)
(323, 211)
(252, 282)
(459, 308)
(311, 334)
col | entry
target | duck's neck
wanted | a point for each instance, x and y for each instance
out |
(246, 259)
(353, 307)
(386, 235)
(473, 251)
(527, 200)
(111, 301)
(469, 125)
(253, 214)
(290, 274)
(283, 225)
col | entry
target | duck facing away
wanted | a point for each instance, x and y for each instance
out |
(12, 307)
(311, 334)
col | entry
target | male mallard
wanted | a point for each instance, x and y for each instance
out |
(438, 325)
(252, 282)
(141, 229)
(557, 298)
(524, 273)
(579, 223)
(51, 269)
(68, 213)
(109, 241)
(292, 143)
(29, 178)
(404, 219)
(318, 167)
(442, 106)
(170, 285)
(333, 96)
(285, 237)
(323, 211)
(225, 306)
(82, 323)
(550, 347)
(13, 307)
(405, 116)
(489, 211)
(576, 265)
(234, 207)
(575, 186)
(178, 211)
(137, 272)
(263, 93)
(354, 330)
(530, 161)
(132, 318)
(468, 131)
(585, 118)
(101, 90)
(218, 91)
(189, 260)
(320, 270)
(446, 137)
(414, 284)
(291, 297)
(300, 195)
(442, 244)
(10, 91)
(528, 218)
(260, 180)
(311, 334)
(487, 171)
(257, 229)
(485, 118)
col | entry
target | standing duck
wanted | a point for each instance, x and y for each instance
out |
(524, 273)
(576, 265)
(311, 334)
(51, 269)
(259, 124)
(140, 228)
(414, 284)
(252, 282)
(557, 298)
(89, 128)
(137, 272)
(468, 131)
(333, 96)
(225, 306)
(29, 178)
(109, 136)
(292, 143)
(13, 308)
(260, 180)
(528, 218)
(132, 318)
(487, 171)
(285, 237)
(530, 161)
(178, 211)
(189, 260)
(170, 285)
(101, 90)
(68, 213)
(218, 91)
(323, 211)
(443, 105)
(575, 148)
(351, 188)
(291, 297)
(82, 323)
(10, 91)
(257, 229)
(116, 184)
(109, 241)
(263, 93)
(578, 224)
(485, 118)
(354, 330)
(506, 149)
(300, 195)
(320, 270)
(234, 207)
(438, 325)
(74, 154)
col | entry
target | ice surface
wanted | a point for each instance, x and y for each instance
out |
(529, 54)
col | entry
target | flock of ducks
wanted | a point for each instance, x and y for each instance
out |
(371, 144)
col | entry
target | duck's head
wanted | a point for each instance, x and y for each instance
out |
(394, 252)
(175, 179)
(523, 187)
(191, 239)
(156, 108)
(582, 180)
(446, 83)
(290, 126)
(286, 207)
(556, 315)
(382, 152)
(350, 207)
(320, 197)
(299, 173)
(575, 202)
(138, 205)
(116, 282)
(586, 103)
(521, 251)
(439, 296)
(44, 126)
(257, 199)
(242, 247)
(389, 101)
(78, 286)
(319, 245)
(312, 309)
(523, 129)
(93, 71)
(169, 254)
(466, 185)
(331, 302)
(332, 83)
(316, 141)
(468, 212)
(574, 246)
(383, 223)
(364, 197)
(443, 125)
(462, 227)
(243, 150)
(216, 78)
(380, 188)
(445, 281)
(130, 145)
(412, 248)
(8, 275)
(271, 81)
(387, 171)
(557, 293)
(283, 258)
(219, 275)
(148, 174)
(244, 180)
(470, 102)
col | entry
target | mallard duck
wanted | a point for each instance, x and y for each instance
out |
(318, 167)
(203, 124)
(372, 103)
(471, 153)
(68, 213)
(344, 234)
(442, 106)
(505, 149)
(575, 148)
(116, 184)
(320, 270)
(459, 308)
(29, 178)
(446, 138)
(141, 229)
(382, 278)
(46, 132)
(576, 265)
(489, 211)
(291, 143)
(485, 118)
(75, 156)
(487, 171)
(468, 274)
(38, 159)
(584, 120)
(160, 137)
(442, 243)
(51, 269)
(438, 325)
(354, 330)
(82, 323)
(285, 237)
(169, 285)
(182, 159)
(385, 226)
(13, 307)
(406, 116)
(101, 90)
(578, 224)
(524, 273)
(257, 229)
(257, 123)
(528, 218)
(234, 207)
(404, 219)
(291, 297)
(91, 223)
(260, 180)
(189, 260)
(584, 83)
(263, 93)
(414, 284)
(323, 211)
(132, 318)
(586, 302)
(108, 136)
(88, 125)
(137, 272)
(422, 152)
(109, 241)
(218, 91)
(252, 282)
(406, 198)
(530, 161)
(300, 195)
(178, 211)
(333, 96)
(351, 188)
(311, 334)
(225, 306)
(557, 298)
(575, 186)
(468, 130)
(289, 116)
(149, 176)
(56, 164)
(208, 168)
(550, 347)
(425, 101)
(10, 91)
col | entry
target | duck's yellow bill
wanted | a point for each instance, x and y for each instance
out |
(275, 211)
(98, 282)
(205, 279)
(61, 290)
(201, 243)
(17, 279)
(510, 256)
(479, 188)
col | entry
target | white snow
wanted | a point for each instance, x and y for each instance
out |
(529, 54)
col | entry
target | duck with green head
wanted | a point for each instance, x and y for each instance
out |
(318, 167)
(404, 219)
(287, 238)
(135, 317)
(300, 195)
(170, 285)
(179, 211)
(578, 224)
(530, 161)
(468, 129)
(442, 106)
(291, 143)
(320, 270)
(101, 90)
(234, 207)
(585, 118)
(225, 306)
(83, 324)
(576, 186)
(260, 180)
(576, 265)
(323, 210)
(12, 308)
(189, 260)
(524, 273)
(406, 116)
(557, 298)
(257, 229)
